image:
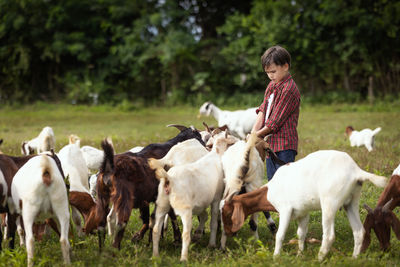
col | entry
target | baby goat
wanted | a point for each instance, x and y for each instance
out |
(44, 142)
(382, 218)
(323, 180)
(189, 189)
(38, 191)
(364, 137)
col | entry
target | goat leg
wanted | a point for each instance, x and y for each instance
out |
(175, 227)
(53, 225)
(101, 233)
(152, 221)
(11, 228)
(145, 216)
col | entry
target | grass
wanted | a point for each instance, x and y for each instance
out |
(320, 127)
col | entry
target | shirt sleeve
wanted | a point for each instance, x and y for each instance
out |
(286, 105)
(263, 105)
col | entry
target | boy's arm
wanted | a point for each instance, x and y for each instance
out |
(259, 122)
(264, 131)
(258, 126)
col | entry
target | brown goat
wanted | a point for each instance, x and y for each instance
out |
(128, 182)
(236, 208)
(9, 166)
(382, 218)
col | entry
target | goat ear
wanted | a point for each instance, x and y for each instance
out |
(237, 217)
(395, 225)
(386, 207)
(230, 196)
(367, 235)
(368, 208)
(177, 126)
(216, 131)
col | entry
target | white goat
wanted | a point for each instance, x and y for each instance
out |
(74, 167)
(190, 189)
(323, 180)
(239, 122)
(244, 155)
(93, 157)
(364, 137)
(183, 153)
(45, 141)
(38, 192)
(74, 139)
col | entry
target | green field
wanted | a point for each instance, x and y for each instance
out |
(320, 127)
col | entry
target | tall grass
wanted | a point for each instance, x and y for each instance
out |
(320, 127)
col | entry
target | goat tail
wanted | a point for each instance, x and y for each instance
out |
(377, 180)
(46, 170)
(48, 143)
(245, 166)
(158, 167)
(377, 130)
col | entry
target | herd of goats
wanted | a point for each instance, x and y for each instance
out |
(221, 168)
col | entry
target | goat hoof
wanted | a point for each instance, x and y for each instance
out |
(197, 235)
(177, 243)
(136, 238)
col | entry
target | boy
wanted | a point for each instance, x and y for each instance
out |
(279, 113)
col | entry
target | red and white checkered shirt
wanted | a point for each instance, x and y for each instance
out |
(283, 115)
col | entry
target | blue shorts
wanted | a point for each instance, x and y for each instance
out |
(285, 155)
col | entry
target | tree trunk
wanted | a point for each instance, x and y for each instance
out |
(346, 82)
(175, 76)
(163, 90)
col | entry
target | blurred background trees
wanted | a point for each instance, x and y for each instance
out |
(174, 51)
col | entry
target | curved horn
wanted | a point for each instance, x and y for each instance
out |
(368, 208)
(207, 128)
(224, 127)
(226, 133)
(179, 127)
(386, 207)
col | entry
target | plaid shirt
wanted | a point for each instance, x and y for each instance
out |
(283, 115)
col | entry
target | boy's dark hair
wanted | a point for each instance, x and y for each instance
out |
(277, 55)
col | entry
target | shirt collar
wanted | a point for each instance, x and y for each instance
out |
(277, 85)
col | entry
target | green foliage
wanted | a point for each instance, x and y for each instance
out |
(168, 51)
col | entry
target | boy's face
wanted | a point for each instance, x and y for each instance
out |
(276, 73)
